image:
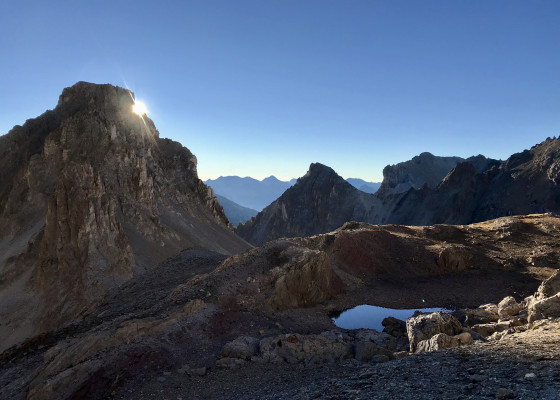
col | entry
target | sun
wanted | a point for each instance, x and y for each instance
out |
(139, 108)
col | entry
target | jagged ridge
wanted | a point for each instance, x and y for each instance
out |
(471, 190)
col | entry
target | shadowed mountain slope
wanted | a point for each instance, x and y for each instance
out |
(473, 190)
(527, 182)
(89, 197)
(360, 184)
(319, 202)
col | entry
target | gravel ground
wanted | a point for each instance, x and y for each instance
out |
(524, 365)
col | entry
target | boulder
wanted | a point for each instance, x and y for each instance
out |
(464, 338)
(424, 326)
(380, 339)
(394, 327)
(486, 330)
(509, 307)
(243, 347)
(437, 342)
(549, 287)
(443, 341)
(548, 307)
(296, 348)
(481, 315)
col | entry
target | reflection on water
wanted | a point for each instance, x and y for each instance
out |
(370, 317)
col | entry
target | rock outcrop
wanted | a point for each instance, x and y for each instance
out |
(425, 326)
(90, 195)
(546, 301)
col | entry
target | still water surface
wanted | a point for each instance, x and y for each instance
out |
(370, 317)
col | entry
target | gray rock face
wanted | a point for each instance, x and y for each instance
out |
(508, 307)
(437, 342)
(424, 326)
(548, 307)
(369, 344)
(89, 196)
(466, 195)
(424, 169)
(546, 301)
(549, 287)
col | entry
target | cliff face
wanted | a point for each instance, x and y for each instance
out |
(525, 183)
(419, 192)
(319, 202)
(425, 169)
(89, 196)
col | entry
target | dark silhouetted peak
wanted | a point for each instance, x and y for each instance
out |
(423, 156)
(459, 175)
(320, 201)
(482, 163)
(318, 168)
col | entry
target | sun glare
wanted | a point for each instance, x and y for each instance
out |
(139, 108)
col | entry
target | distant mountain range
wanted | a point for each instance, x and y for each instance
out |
(253, 194)
(249, 192)
(236, 213)
(360, 184)
(423, 191)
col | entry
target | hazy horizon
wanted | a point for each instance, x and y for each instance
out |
(265, 88)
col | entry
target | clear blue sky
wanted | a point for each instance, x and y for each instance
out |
(265, 87)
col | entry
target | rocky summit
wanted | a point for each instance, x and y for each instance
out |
(91, 196)
(319, 202)
(426, 190)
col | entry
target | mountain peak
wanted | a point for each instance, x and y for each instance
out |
(318, 168)
(92, 196)
(112, 103)
(320, 201)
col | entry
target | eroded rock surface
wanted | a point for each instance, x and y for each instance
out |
(90, 195)
(425, 326)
